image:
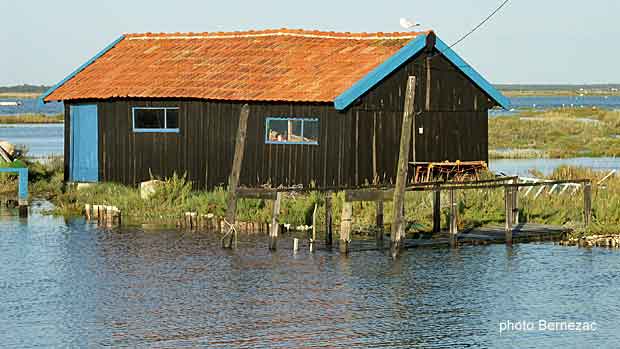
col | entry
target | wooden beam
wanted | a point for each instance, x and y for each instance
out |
(398, 224)
(233, 179)
(329, 233)
(345, 227)
(275, 223)
(587, 203)
(248, 193)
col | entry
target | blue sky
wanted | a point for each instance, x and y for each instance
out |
(530, 41)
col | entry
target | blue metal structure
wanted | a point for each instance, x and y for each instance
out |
(401, 57)
(23, 181)
(84, 154)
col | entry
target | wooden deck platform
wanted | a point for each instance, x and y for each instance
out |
(492, 234)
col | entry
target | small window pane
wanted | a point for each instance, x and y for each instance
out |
(172, 118)
(149, 118)
(301, 131)
(284, 130)
(311, 131)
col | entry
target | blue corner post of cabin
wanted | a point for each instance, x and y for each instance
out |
(22, 172)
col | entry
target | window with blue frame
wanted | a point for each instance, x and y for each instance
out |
(155, 119)
(291, 131)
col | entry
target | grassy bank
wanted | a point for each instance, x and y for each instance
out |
(19, 95)
(476, 207)
(32, 119)
(561, 133)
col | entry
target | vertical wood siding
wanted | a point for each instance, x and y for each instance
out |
(454, 129)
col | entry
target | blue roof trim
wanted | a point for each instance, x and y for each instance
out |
(399, 58)
(82, 67)
(379, 73)
(468, 70)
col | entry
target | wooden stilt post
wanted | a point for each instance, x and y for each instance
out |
(379, 221)
(398, 224)
(313, 239)
(437, 210)
(587, 203)
(345, 227)
(233, 180)
(275, 224)
(508, 202)
(515, 205)
(454, 230)
(87, 211)
(329, 233)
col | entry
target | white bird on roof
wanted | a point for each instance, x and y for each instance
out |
(407, 24)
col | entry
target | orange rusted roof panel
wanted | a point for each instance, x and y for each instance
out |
(267, 65)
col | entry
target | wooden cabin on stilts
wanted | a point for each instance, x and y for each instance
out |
(278, 109)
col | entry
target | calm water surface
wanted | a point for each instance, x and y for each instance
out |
(70, 284)
(41, 139)
(30, 106)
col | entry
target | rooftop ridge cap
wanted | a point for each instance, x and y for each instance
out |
(284, 32)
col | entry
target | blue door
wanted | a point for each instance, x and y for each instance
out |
(84, 165)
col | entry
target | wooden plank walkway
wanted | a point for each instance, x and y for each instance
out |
(492, 234)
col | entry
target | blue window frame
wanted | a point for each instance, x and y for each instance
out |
(283, 130)
(155, 119)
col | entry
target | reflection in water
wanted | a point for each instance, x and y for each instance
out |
(77, 285)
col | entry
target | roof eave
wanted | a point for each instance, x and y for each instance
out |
(415, 46)
(79, 69)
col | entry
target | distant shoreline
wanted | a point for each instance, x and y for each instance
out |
(32, 119)
(19, 95)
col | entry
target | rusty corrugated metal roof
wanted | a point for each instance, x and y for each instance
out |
(267, 65)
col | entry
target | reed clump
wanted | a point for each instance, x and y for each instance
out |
(556, 133)
(476, 207)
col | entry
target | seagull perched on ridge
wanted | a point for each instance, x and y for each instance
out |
(407, 24)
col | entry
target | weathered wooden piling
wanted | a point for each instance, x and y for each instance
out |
(406, 142)
(345, 227)
(233, 179)
(436, 210)
(23, 208)
(508, 189)
(295, 244)
(515, 205)
(329, 233)
(587, 203)
(275, 223)
(87, 211)
(454, 212)
(313, 239)
(379, 221)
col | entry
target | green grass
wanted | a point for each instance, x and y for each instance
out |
(32, 119)
(476, 207)
(561, 133)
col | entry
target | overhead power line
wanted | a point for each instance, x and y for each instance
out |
(499, 8)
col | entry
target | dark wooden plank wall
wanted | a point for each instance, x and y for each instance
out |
(454, 128)
(204, 147)
(354, 146)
